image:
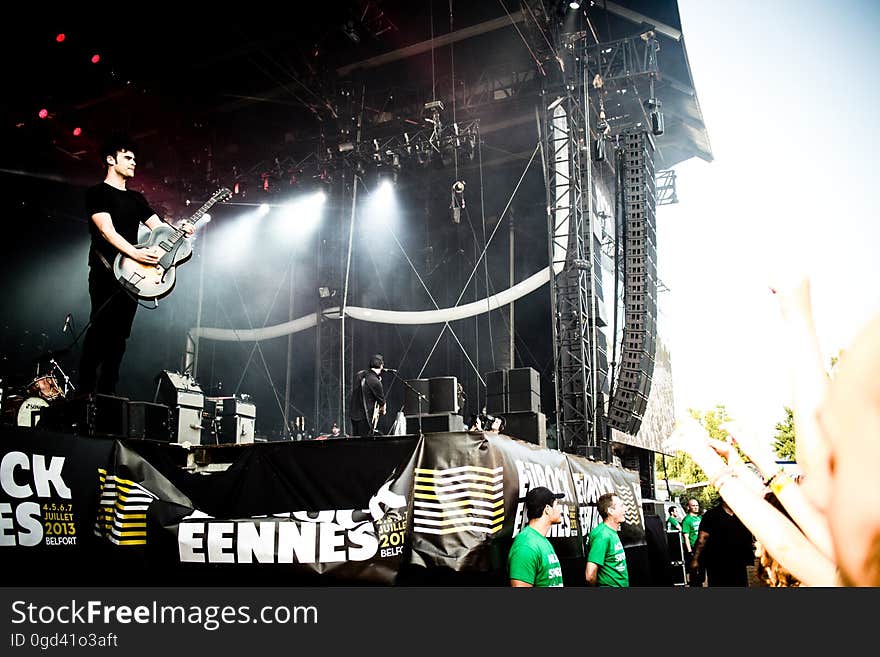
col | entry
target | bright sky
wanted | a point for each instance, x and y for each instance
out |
(789, 92)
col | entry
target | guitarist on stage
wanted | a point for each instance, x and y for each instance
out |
(115, 214)
(367, 398)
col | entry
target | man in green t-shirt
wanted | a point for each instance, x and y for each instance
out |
(606, 559)
(532, 561)
(690, 530)
(672, 522)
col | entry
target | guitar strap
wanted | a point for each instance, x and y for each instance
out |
(367, 413)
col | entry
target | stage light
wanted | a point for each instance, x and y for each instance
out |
(574, 4)
(43, 113)
(61, 37)
(263, 210)
(77, 132)
(96, 58)
(300, 217)
(380, 208)
(206, 219)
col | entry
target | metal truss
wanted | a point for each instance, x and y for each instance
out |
(665, 185)
(624, 59)
(333, 347)
(579, 404)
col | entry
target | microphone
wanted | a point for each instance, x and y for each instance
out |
(66, 323)
(388, 369)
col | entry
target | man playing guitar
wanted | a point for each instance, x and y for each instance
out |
(367, 398)
(114, 216)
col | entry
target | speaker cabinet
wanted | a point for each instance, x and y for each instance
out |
(496, 404)
(530, 427)
(435, 423)
(149, 421)
(523, 380)
(93, 415)
(443, 394)
(496, 384)
(412, 403)
(523, 402)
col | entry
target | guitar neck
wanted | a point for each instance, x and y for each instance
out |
(194, 219)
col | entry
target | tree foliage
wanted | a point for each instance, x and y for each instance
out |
(784, 441)
(681, 467)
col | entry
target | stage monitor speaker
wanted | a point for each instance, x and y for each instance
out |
(149, 421)
(443, 396)
(435, 423)
(92, 415)
(412, 404)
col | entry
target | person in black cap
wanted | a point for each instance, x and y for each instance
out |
(532, 561)
(367, 398)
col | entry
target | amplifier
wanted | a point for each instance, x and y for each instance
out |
(227, 406)
(186, 425)
(149, 421)
(179, 390)
(235, 429)
(92, 415)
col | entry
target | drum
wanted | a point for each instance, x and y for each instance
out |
(19, 411)
(45, 386)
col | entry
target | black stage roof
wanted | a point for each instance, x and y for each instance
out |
(206, 92)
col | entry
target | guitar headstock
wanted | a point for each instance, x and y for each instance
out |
(221, 195)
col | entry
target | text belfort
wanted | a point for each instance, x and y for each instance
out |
(41, 512)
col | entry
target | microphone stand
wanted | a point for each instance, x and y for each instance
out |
(420, 396)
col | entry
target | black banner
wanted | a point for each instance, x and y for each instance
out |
(439, 510)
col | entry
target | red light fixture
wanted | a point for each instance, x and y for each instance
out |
(60, 37)
(77, 132)
(96, 58)
(43, 113)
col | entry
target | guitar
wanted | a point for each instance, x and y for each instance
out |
(374, 422)
(156, 281)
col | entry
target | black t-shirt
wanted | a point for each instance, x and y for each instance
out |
(127, 208)
(730, 542)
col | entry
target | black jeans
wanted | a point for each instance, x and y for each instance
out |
(111, 318)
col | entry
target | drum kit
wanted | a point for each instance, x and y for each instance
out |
(23, 407)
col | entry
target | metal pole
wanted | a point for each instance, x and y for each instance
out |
(512, 356)
(289, 348)
(345, 301)
(195, 338)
